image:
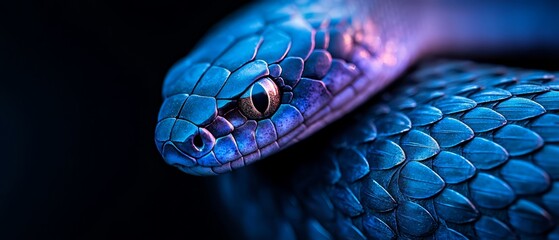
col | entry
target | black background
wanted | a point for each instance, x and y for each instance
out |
(79, 96)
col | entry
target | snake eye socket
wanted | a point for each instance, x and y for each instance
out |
(260, 100)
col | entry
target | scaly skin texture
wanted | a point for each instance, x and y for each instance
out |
(325, 57)
(457, 150)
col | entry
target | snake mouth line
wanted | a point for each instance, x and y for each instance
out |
(192, 166)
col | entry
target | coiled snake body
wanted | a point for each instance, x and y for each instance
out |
(457, 150)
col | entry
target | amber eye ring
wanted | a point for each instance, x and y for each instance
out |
(260, 100)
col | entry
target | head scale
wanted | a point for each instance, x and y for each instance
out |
(265, 78)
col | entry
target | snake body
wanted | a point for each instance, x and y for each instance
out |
(458, 151)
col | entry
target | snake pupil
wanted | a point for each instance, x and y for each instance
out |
(260, 98)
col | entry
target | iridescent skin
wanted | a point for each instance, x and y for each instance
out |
(454, 150)
(460, 151)
(318, 62)
(326, 58)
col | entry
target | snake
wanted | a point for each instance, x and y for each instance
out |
(392, 141)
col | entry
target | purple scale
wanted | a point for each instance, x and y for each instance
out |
(220, 127)
(226, 149)
(173, 156)
(265, 133)
(269, 150)
(340, 44)
(236, 118)
(275, 70)
(224, 105)
(253, 157)
(199, 171)
(286, 119)
(339, 76)
(223, 168)
(209, 160)
(342, 98)
(286, 97)
(244, 136)
(283, 141)
(194, 148)
(239, 163)
(310, 96)
(362, 58)
(320, 115)
(292, 70)
(318, 64)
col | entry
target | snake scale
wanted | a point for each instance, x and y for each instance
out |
(454, 150)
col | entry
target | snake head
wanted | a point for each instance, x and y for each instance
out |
(263, 79)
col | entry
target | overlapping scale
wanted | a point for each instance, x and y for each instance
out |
(518, 108)
(376, 197)
(447, 233)
(454, 104)
(317, 231)
(353, 165)
(345, 200)
(455, 207)
(489, 191)
(492, 228)
(415, 220)
(377, 229)
(453, 168)
(490, 95)
(418, 181)
(392, 123)
(424, 115)
(549, 100)
(450, 132)
(547, 159)
(484, 154)
(525, 88)
(518, 140)
(418, 145)
(458, 152)
(528, 217)
(383, 154)
(547, 126)
(524, 177)
(482, 119)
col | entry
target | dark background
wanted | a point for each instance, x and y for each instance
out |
(79, 97)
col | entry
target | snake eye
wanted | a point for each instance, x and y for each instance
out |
(260, 100)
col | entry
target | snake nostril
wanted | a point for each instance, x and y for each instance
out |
(198, 142)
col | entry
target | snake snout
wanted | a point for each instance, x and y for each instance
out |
(183, 144)
(181, 137)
